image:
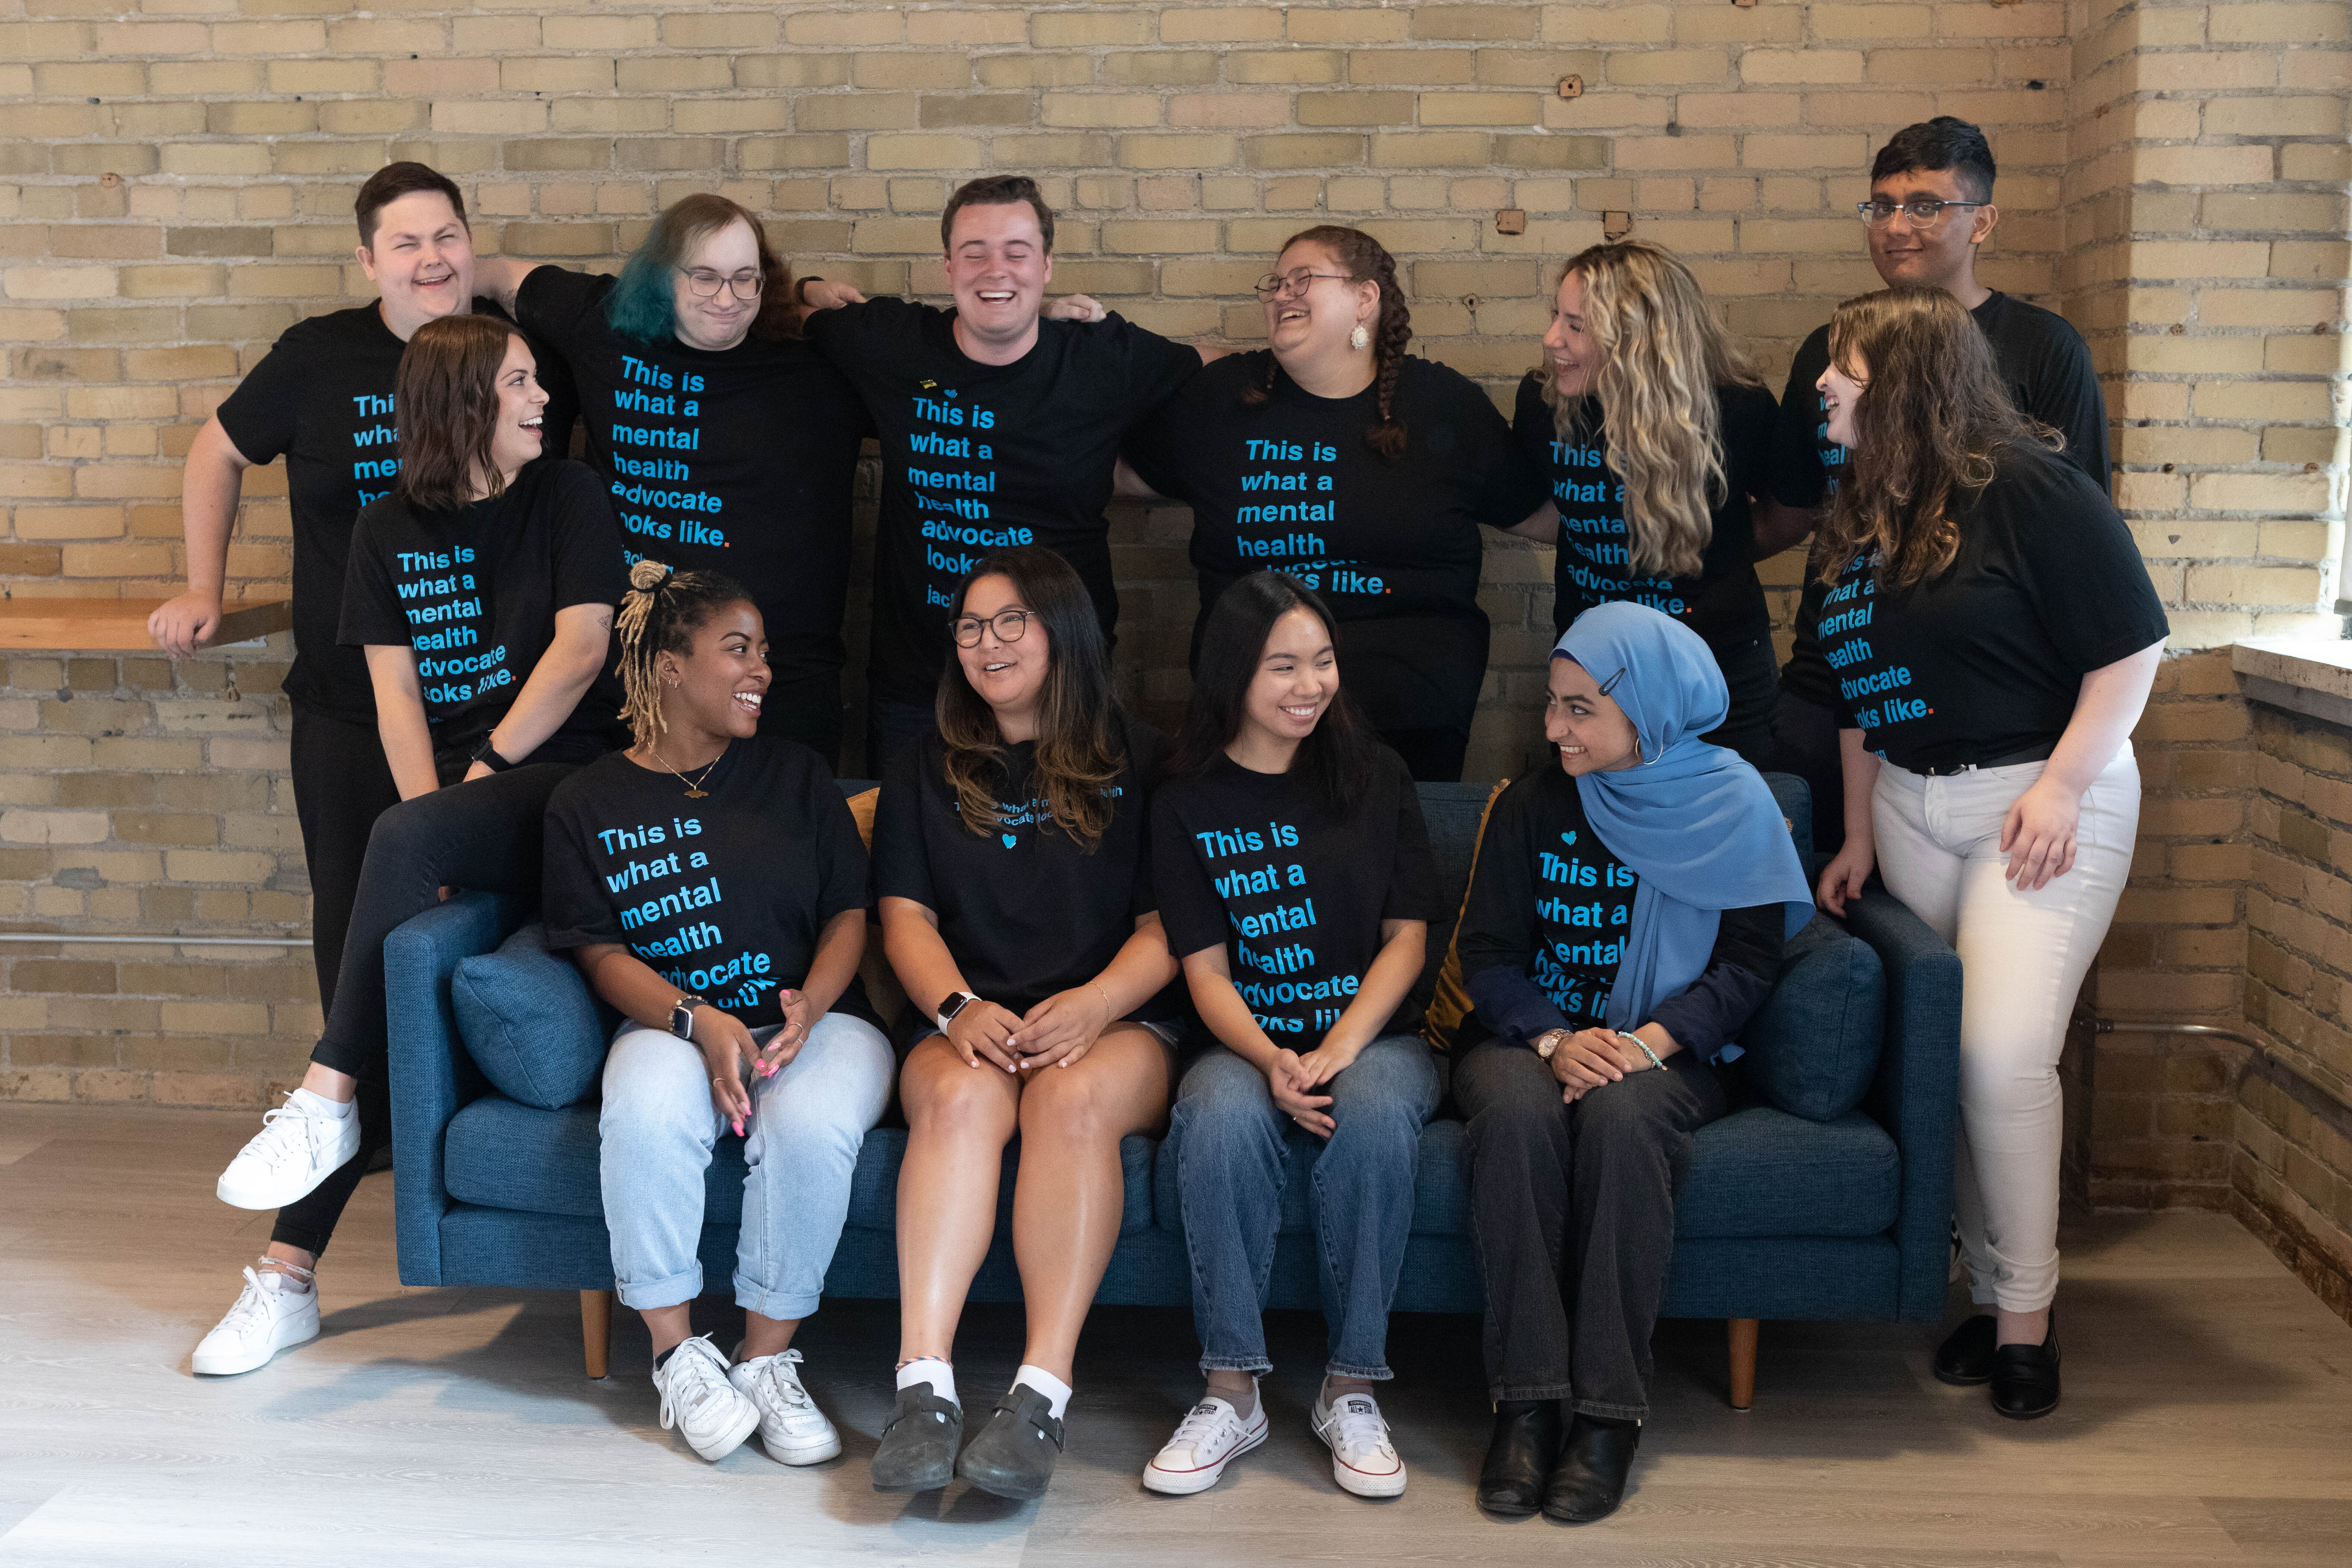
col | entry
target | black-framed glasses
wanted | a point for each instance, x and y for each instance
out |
(1008, 625)
(704, 283)
(1922, 213)
(1273, 285)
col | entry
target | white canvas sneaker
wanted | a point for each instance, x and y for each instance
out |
(1212, 1434)
(271, 1313)
(792, 1428)
(1363, 1460)
(696, 1399)
(298, 1146)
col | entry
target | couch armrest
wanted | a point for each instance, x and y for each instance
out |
(1916, 1095)
(432, 1075)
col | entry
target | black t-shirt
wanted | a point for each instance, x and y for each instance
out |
(2045, 365)
(1024, 909)
(978, 457)
(724, 897)
(475, 594)
(1391, 544)
(323, 398)
(1986, 659)
(740, 460)
(1248, 861)
(1724, 603)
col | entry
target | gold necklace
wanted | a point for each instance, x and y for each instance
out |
(694, 790)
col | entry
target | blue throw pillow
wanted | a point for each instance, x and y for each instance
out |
(1812, 1047)
(529, 1021)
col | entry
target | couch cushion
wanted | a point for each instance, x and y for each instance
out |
(528, 1021)
(1761, 1172)
(1812, 1047)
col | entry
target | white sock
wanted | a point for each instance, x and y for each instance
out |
(935, 1371)
(309, 1102)
(1056, 1391)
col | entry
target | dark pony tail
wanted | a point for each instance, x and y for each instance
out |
(1367, 260)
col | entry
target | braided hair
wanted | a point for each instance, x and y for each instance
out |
(1366, 260)
(660, 614)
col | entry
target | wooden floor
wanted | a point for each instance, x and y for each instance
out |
(2207, 1419)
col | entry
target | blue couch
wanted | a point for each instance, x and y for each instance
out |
(1782, 1216)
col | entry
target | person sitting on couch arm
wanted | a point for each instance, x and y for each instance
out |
(1625, 917)
(710, 884)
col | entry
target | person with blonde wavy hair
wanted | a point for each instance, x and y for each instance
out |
(1653, 431)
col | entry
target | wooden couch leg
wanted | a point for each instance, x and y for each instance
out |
(596, 1330)
(1743, 1362)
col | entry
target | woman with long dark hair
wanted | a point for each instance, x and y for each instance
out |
(481, 588)
(710, 884)
(1296, 885)
(1012, 877)
(1995, 637)
(1361, 470)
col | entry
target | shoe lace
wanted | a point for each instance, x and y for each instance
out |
(694, 1377)
(776, 1375)
(1358, 1418)
(1199, 1426)
(288, 1132)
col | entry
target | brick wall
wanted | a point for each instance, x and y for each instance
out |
(177, 191)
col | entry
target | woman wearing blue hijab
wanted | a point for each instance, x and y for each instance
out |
(1625, 918)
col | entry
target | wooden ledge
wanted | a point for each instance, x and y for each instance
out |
(120, 626)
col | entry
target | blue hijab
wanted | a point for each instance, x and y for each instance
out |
(1697, 824)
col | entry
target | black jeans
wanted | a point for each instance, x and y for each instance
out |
(1805, 742)
(1430, 755)
(485, 835)
(1755, 683)
(807, 710)
(1572, 1208)
(893, 728)
(341, 784)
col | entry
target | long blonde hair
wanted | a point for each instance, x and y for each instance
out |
(1662, 358)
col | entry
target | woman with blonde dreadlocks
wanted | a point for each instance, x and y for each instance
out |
(1653, 431)
(710, 885)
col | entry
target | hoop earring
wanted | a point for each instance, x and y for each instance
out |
(1359, 339)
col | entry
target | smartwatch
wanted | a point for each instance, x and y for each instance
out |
(956, 1003)
(488, 755)
(681, 1017)
(800, 291)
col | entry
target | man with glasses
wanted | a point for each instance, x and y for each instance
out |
(1930, 207)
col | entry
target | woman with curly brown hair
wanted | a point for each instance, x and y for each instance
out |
(1333, 456)
(1994, 636)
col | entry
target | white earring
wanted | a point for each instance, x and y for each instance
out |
(1359, 339)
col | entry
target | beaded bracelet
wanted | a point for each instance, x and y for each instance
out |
(1645, 1045)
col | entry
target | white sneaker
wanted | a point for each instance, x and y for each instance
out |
(298, 1146)
(696, 1399)
(271, 1313)
(1211, 1433)
(792, 1428)
(1363, 1460)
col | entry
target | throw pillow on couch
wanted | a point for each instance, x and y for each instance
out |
(529, 1021)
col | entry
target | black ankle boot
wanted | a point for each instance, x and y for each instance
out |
(1519, 1455)
(2025, 1377)
(1965, 1358)
(1589, 1481)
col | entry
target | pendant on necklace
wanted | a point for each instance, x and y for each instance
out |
(697, 794)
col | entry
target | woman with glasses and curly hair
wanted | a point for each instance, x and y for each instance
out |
(1653, 432)
(1011, 875)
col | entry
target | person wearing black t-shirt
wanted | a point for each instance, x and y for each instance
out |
(1296, 885)
(1012, 879)
(482, 588)
(1364, 473)
(1651, 468)
(998, 429)
(710, 885)
(1994, 636)
(1931, 209)
(728, 444)
(1612, 954)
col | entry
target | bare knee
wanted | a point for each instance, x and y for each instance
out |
(961, 1103)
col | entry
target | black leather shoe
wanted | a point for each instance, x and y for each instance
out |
(1965, 1358)
(1519, 1455)
(1589, 1481)
(1013, 1455)
(919, 1443)
(2025, 1377)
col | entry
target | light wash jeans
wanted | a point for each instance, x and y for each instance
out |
(1230, 1140)
(2022, 960)
(807, 1124)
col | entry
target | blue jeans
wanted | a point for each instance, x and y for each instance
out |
(1230, 1140)
(807, 1124)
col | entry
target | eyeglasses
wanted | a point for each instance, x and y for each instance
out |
(1273, 285)
(1008, 625)
(703, 284)
(1922, 214)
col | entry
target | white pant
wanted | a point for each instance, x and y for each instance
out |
(2022, 960)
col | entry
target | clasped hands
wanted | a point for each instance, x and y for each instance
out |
(1054, 1033)
(727, 1045)
(1585, 1059)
